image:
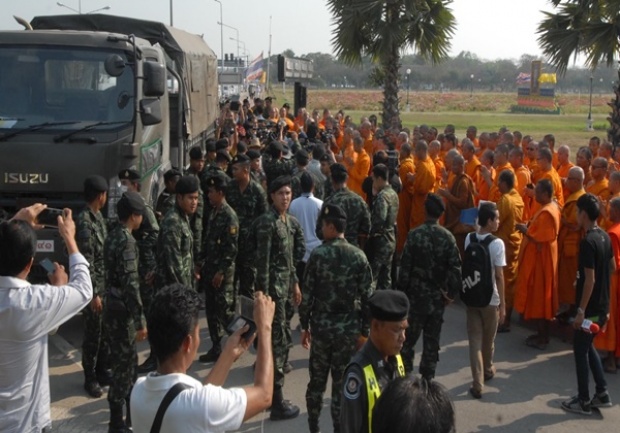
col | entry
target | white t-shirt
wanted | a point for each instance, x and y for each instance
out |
(497, 252)
(199, 409)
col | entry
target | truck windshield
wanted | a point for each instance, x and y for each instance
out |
(64, 88)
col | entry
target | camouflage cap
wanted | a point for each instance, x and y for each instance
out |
(187, 185)
(333, 211)
(389, 305)
(129, 174)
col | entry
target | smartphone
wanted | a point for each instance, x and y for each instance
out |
(244, 316)
(234, 106)
(49, 217)
(48, 265)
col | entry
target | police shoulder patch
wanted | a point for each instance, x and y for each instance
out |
(352, 386)
(129, 254)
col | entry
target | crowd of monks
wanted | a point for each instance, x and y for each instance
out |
(535, 186)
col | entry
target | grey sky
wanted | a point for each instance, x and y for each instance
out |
(488, 28)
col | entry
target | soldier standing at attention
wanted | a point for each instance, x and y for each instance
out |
(146, 239)
(249, 201)
(175, 260)
(218, 269)
(123, 312)
(91, 234)
(382, 242)
(196, 168)
(430, 276)
(275, 276)
(377, 363)
(166, 199)
(337, 283)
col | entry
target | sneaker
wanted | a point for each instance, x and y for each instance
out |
(575, 405)
(601, 400)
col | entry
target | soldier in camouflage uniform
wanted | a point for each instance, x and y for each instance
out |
(218, 269)
(175, 260)
(275, 276)
(382, 241)
(196, 168)
(249, 201)
(430, 276)
(358, 215)
(219, 166)
(337, 284)
(256, 170)
(326, 163)
(274, 164)
(303, 159)
(90, 236)
(166, 199)
(123, 311)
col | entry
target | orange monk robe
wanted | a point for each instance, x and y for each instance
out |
(558, 193)
(289, 123)
(405, 199)
(563, 170)
(587, 178)
(568, 249)
(536, 294)
(606, 223)
(440, 166)
(554, 159)
(349, 151)
(423, 184)
(300, 124)
(358, 172)
(525, 178)
(510, 207)
(494, 193)
(600, 189)
(472, 168)
(483, 188)
(609, 339)
(368, 145)
(451, 179)
(462, 197)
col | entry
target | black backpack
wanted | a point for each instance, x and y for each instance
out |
(477, 272)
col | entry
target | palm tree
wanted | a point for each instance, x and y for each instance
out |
(590, 28)
(383, 29)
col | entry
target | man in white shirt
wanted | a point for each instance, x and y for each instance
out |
(28, 313)
(174, 335)
(306, 208)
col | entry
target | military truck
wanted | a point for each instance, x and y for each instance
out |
(96, 94)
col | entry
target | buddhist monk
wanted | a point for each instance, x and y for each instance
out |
(487, 175)
(472, 135)
(367, 138)
(546, 171)
(606, 151)
(563, 166)
(405, 196)
(524, 178)
(584, 160)
(532, 160)
(614, 191)
(550, 140)
(536, 290)
(472, 163)
(483, 144)
(594, 145)
(518, 138)
(423, 183)
(501, 164)
(599, 185)
(568, 244)
(358, 168)
(524, 144)
(448, 176)
(510, 207)
(434, 150)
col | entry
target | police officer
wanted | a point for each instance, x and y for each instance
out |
(218, 266)
(337, 283)
(90, 236)
(377, 363)
(123, 313)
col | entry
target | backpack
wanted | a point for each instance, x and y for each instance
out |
(477, 272)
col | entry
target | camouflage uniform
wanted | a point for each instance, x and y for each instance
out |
(337, 283)
(220, 251)
(91, 232)
(206, 208)
(328, 189)
(382, 241)
(248, 205)
(123, 311)
(165, 202)
(430, 265)
(299, 250)
(146, 237)
(275, 274)
(175, 262)
(275, 168)
(196, 220)
(358, 215)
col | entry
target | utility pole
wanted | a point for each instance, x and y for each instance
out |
(268, 85)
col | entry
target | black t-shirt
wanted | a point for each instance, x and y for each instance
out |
(595, 252)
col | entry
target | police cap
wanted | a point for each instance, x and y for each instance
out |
(129, 174)
(278, 183)
(388, 305)
(333, 211)
(131, 203)
(240, 158)
(95, 183)
(187, 185)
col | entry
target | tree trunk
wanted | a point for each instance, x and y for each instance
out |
(391, 71)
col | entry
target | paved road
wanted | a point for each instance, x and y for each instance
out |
(523, 397)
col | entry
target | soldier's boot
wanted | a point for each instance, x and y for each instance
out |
(282, 409)
(212, 355)
(150, 364)
(104, 377)
(313, 425)
(117, 425)
(92, 386)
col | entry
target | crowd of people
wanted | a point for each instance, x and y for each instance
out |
(364, 231)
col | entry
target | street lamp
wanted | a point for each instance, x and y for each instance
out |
(236, 30)
(471, 87)
(221, 37)
(245, 51)
(589, 123)
(408, 107)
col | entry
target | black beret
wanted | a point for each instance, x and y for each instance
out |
(211, 146)
(388, 305)
(253, 154)
(302, 157)
(187, 185)
(219, 181)
(222, 143)
(129, 174)
(435, 201)
(173, 172)
(338, 168)
(196, 153)
(95, 183)
(222, 155)
(241, 158)
(333, 211)
(131, 203)
(278, 183)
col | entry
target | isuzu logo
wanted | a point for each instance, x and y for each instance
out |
(26, 178)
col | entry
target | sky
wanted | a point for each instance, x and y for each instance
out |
(490, 29)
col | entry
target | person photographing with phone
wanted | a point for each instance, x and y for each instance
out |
(29, 312)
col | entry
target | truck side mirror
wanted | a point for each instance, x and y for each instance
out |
(154, 79)
(150, 111)
(114, 65)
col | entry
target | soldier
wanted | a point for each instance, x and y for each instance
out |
(256, 171)
(377, 363)
(430, 275)
(382, 242)
(249, 201)
(196, 168)
(274, 164)
(218, 269)
(91, 234)
(175, 261)
(219, 166)
(358, 215)
(275, 264)
(146, 238)
(166, 199)
(326, 163)
(123, 312)
(337, 283)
